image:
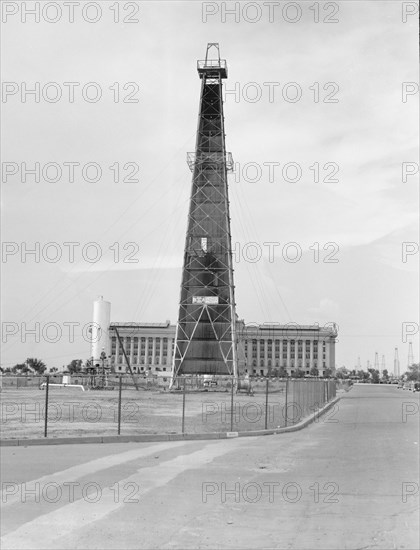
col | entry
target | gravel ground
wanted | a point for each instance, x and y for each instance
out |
(73, 412)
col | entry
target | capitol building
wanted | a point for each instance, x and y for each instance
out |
(263, 350)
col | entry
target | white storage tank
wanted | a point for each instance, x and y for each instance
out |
(100, 329)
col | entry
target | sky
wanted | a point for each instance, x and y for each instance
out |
(325, 145)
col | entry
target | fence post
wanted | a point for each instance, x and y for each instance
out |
(266, 404)
(183, 407)
(47, 387)
(285, 406)
(231, 405)
(119, 404)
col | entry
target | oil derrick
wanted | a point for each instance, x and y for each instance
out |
(377, 363)
(205, 340)
(396, 363)
(410, 354)
(383, 363)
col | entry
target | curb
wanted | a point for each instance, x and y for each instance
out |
(147, 438)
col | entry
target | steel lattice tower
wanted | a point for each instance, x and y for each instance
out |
(410, 360)
(205, 340)
(377, 362)
(396, 363)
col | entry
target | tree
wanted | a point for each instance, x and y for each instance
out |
(75, 366)
(282, 372)
(314, 371)
(374, 375)
(298, 373)
(413, 373)
(385, 374)
(54, 369)
(327, 373)
(36, 365)
(342, 372)
(20, 368)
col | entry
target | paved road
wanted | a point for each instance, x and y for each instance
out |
(346, 482)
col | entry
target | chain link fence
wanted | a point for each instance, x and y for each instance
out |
(86, 405)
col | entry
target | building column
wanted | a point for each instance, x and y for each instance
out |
(265, 352)
(169, 352)
(248, 360)
(146, 353)
(117, 352)
(311, 354)
(138, 351)
(303, 354)
(161, 352)
(319, 366)
(127, 351)
(258, 356)
(327, 354)
(288, 354)
(153, 351)
(131, 351)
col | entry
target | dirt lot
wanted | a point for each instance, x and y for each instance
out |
(72, 412)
